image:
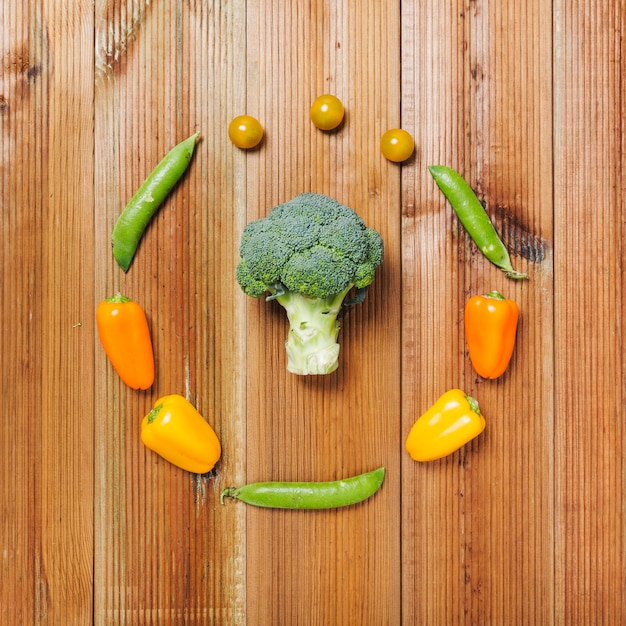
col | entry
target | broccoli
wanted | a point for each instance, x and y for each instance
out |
(308, 254)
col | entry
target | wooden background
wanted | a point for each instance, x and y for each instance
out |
(523, 526)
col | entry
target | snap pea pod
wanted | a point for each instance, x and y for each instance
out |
(308, 495)
(133, 220)
(474, 218)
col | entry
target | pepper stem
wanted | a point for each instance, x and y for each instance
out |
(473, 404)
(155, 411)
(117, 299)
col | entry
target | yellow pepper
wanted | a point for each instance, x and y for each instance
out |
(450, 423)
(176, 431)
(490, 330)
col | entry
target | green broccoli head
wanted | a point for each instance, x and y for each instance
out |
(311, 245)
(308, 254)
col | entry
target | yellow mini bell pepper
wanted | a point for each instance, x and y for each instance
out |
(176, 431)
(450, 423)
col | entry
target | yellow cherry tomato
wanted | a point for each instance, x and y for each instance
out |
(327, 112)
(245, 131)
(397, 145)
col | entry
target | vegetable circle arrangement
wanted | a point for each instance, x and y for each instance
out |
(308, 254)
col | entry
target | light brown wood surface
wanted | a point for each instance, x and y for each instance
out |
(525, 525)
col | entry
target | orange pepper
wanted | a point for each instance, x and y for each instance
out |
(490, 331)
(125, 337)
(176, 431)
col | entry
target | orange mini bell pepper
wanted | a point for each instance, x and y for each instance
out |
(490, 331)
(175, 430)
(454, 420)
(125, 337)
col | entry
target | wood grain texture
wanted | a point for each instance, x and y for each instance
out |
(589, 300)
(47, 265)
(523, 526)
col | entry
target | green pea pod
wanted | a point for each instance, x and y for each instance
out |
(142, 206)
(474, 218)
(308, 495)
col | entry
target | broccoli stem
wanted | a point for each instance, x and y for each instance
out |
(311, 345)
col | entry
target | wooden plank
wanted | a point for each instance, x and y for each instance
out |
(21, 199)
(47, 341)
(523, 526)
(478, 544)
(590, 300)
(341, 566)
(166, 551)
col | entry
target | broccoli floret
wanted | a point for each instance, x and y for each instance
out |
(308, 254)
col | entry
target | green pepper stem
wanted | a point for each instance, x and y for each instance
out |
(473, 404)
(496, 295)
(155, 411)
(117, 299)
